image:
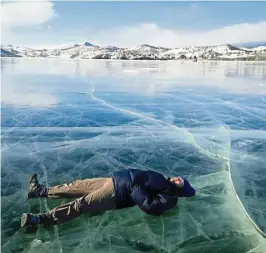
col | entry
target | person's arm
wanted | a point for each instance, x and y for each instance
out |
(153, 181)
(155, 204)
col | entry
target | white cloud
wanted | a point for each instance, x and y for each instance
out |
(34, 14)
(155, 35)
(26, 14)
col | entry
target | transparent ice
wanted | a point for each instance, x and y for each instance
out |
(68, 120)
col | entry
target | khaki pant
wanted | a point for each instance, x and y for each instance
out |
(95, 195)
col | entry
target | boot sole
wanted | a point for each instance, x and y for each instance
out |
(24, 219)
(34, 176)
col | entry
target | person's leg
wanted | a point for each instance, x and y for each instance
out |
(100, 200)
(77, 188)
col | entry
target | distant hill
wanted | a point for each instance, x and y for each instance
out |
(142, 52)
(5, 53)
(251, 44)
(88, 44)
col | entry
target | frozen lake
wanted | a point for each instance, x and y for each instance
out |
(68, 120)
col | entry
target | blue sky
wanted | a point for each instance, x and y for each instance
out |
(51, 24)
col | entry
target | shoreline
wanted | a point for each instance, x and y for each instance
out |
(148, 59)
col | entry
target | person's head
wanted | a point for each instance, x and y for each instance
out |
(184, 188)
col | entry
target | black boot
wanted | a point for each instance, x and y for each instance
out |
(28, 219)
(31, 220)
(35, 189)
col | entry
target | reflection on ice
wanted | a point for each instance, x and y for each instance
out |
(13, 96)
(157, 76)
(112, 115)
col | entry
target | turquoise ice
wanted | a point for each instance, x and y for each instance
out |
(72, 119)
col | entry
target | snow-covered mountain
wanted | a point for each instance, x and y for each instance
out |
(142, 52)
(5, 53)
(251, 44)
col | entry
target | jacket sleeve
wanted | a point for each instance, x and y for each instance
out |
(155, 204)
(157, 183)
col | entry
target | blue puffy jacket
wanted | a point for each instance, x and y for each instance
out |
(151, 191)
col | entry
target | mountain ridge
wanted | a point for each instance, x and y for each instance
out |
(140, 52)
(251, 44)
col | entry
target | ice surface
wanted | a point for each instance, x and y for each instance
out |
(79, 119)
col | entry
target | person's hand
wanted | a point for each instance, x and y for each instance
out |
(178, 181)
